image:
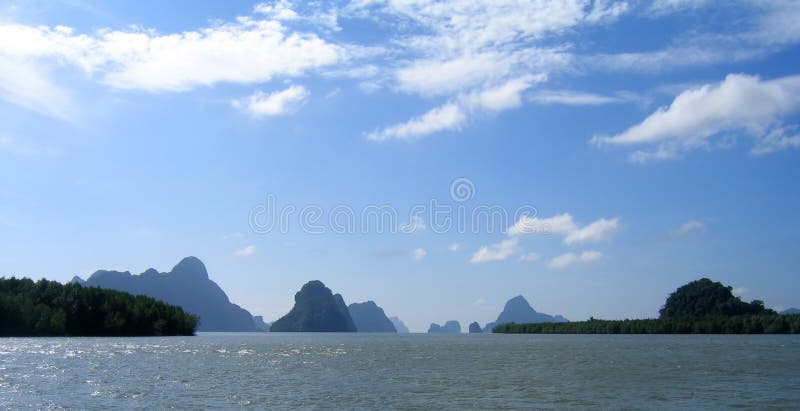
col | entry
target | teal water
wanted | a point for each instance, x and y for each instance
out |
(371, 371)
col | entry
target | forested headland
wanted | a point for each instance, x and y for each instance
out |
(49, 308)
(699, 307)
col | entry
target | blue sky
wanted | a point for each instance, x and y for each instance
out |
(628, 147)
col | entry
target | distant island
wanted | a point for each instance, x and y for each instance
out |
(518, 310)
(49, 308)
(186, 285)
(370, 318)
(399, 325)
(316, 309)
(450, 327)
(699, 307)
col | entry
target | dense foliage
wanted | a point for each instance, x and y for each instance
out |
(704, 297)
(739, 324)
(49, 308)
(699, 307)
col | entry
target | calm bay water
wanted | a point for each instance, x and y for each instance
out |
(402, 371)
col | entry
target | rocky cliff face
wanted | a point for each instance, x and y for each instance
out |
(316, 309)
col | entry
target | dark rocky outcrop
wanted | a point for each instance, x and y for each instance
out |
(399, 325)
(370, 318)
(450, 327)
(316, 309)
(475, 328)
(187, 286)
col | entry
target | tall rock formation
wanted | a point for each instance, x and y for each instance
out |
(316, 309)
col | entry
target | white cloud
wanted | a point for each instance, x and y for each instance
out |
(446, 117)
(415, 224)
(482, 54)
(247, 51)
(504, 96)
(278, 10)
(245, 252)
(607, 11)
(260, 104)
(560, 224)
(594, 232)
(436, 77)
(496, 252)
(454, 247)
(661, 7)
(573, 98)
(479, 301)
(687, 228)
(740, 104)
(568, 259)
(528, 257)
(564, 225)
(740, 291)
(419, 253)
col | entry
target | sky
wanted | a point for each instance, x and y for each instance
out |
(437, 157)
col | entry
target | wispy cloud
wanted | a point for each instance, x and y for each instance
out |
(529, 257)
(573, 98)
(277, 103)
(419, 253)
(496, 252)
(568, 259)
(454, 247)
(687, 228)
(447, 117)
(245, 252)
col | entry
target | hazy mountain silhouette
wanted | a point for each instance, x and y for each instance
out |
(188, 286)
(517, 310)
(399, 325)
(316, 309)
(475, 328)
(450, 327)
(370, 318)
(790, 311)
(260, 325)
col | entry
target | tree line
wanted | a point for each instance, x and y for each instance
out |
(699, 307)
(49, 308)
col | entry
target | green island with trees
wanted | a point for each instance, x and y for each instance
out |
(49, 308)
(699, 307)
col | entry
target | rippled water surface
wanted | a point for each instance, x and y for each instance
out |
(402, 371)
